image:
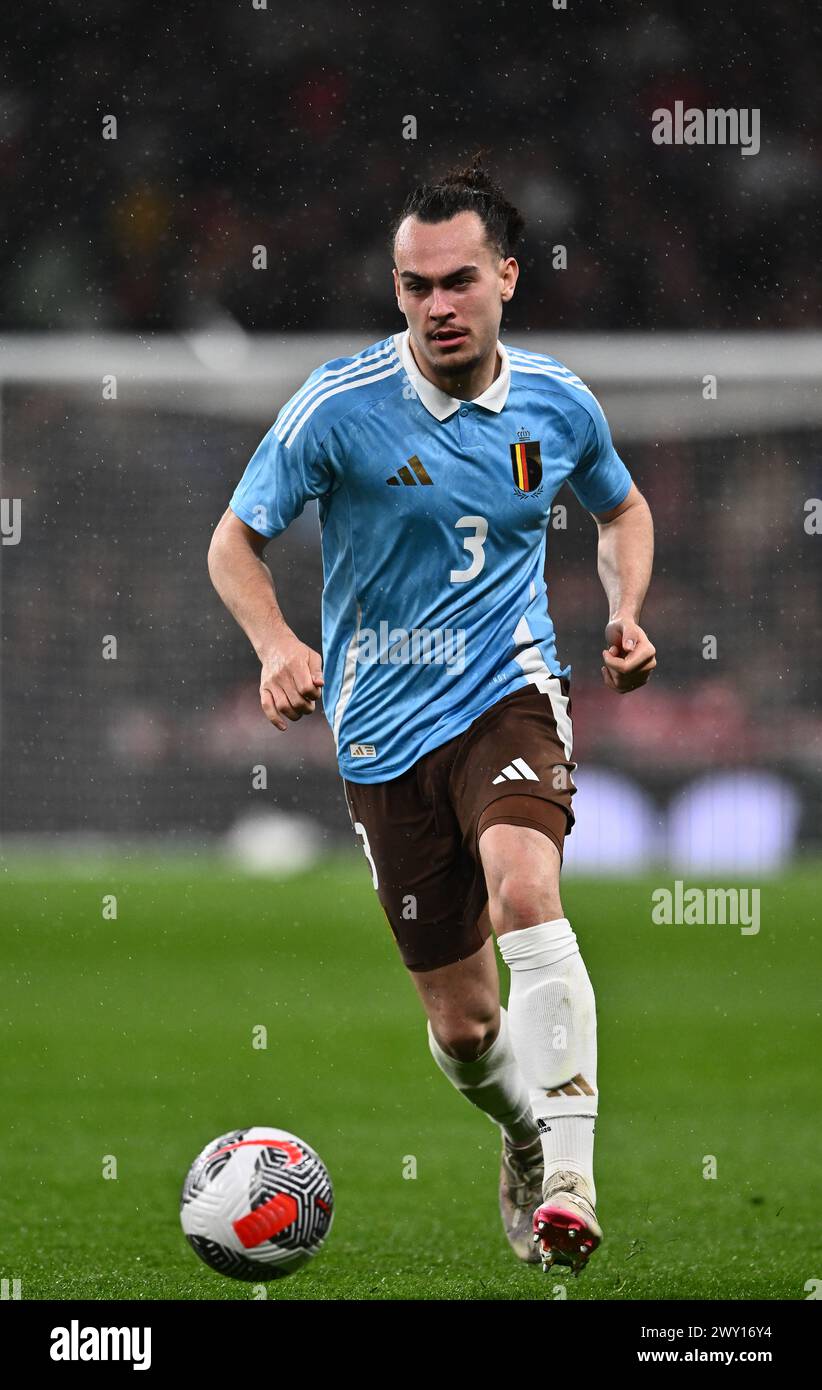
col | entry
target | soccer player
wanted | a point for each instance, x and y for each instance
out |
(435, 455)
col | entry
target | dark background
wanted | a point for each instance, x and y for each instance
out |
(238, 127)
(283, 127)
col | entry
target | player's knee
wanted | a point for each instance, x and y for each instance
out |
(465, 1038)
(521, 900)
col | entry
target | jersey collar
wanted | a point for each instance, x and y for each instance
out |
(438, 403)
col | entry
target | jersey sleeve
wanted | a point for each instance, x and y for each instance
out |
(288, 468)
(600, 480)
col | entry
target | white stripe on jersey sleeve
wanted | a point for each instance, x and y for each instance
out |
(336, 391)
(557, 374)
(305, 393)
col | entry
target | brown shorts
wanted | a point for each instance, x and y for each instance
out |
(420, 831)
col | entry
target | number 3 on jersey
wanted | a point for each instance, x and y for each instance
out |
(474, 546)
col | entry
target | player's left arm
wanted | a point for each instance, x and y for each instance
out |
(624, 560)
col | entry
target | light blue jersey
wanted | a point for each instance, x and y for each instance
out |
(433, 515)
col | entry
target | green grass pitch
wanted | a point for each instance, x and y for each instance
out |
(133, 1037)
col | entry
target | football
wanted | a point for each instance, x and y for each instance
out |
(257, 1204)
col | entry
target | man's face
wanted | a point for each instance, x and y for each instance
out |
(451, 286)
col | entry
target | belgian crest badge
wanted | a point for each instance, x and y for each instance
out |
(526, 464)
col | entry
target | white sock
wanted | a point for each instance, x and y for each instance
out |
(492, 1083)
(552, 1022)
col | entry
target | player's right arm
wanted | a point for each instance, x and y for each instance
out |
(291, 675)
(288, 467)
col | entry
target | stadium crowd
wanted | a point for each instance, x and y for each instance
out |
(241, 133)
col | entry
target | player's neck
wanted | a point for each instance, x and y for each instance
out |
(463, 388)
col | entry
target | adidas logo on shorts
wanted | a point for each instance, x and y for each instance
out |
(517, 771)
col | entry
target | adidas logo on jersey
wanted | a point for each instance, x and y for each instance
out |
(517, 771)
(362, 750)
(404, 475)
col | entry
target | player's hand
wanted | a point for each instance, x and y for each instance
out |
(290, 682)
(629, 656)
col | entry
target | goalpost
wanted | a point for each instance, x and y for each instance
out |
(700, 383)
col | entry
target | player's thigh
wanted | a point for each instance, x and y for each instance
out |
(512, 787)
(522, 866)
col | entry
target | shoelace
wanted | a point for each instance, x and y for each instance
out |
(523, 1166)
